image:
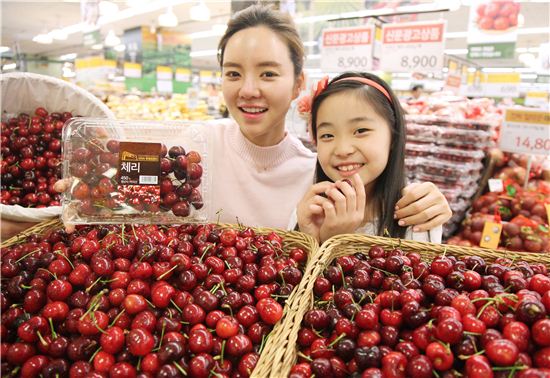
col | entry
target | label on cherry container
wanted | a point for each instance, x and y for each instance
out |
(139, 172)
(491, 235)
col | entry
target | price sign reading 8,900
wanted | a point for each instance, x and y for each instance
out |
(418, 61)
(353, 62)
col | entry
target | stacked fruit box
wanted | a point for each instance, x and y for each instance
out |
(450, 153)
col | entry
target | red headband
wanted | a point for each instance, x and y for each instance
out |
(368, 82)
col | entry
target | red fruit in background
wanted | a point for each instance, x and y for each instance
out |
(394, 365)
(442, 359)
(502, 352)
(542, 358)
(492, 9)
(140, 342)
(486, 23)
(518, 333)
(270, 310)
(478, 366)
(541, 332)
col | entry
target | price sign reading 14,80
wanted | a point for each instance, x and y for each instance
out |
(353, 62)
(419, 61)
(537, 145)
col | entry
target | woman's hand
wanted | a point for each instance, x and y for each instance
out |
(61, 186)
(422, 206)
(12, 228)
(346, 210)
(310, 211)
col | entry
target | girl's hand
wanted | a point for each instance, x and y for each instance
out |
(310, 212)
(346, 210)
(422, 206)
(61, 186)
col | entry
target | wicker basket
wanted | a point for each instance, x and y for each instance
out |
(282, 348)
(40, 229)
(291, 239)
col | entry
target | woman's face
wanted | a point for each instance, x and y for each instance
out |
(356, 140)
(258, 83)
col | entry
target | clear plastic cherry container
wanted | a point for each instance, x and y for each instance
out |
(134, 172)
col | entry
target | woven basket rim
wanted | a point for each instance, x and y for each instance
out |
(348, 244)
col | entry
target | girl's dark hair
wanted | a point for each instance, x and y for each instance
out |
(389, 184)
(280, 23)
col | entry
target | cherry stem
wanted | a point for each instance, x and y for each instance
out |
(138, 367)
(335, 341)
(161, 335)
(150, 304)
(222, 352)
(208, 247)
(117, 317)
(300, 354)
(176, 306)
(65, 257)
(54, 335)
(93, 284)
(93, 355)
(42, 341)
(182, 370)
(166, 273)
(27, 255)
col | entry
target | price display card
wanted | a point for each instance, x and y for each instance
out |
(347, 49)
(413, 47)
(526, 132)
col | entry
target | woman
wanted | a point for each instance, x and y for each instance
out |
(260, 172)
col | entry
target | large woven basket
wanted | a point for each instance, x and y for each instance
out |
(291, 239)
(281, 348)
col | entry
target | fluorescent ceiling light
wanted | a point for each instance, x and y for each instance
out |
(168, 19)
(59, 34)
(70, 56)
(4, 49)
(195, 54)
(43, 38)
(311, 43)
(120, 48)
(523, 69)
(206, 34)
(199, 12)
(9, 66)
(97, 46)
(111, 39)
(107, 7)
(528, 76)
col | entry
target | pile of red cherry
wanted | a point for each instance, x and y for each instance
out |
(389, 314)
(95, 164)
(30, 165)
(147, 301)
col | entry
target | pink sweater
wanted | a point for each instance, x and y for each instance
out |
(260, 186)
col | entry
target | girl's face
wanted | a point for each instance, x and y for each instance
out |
(352, 138)
(258, 83)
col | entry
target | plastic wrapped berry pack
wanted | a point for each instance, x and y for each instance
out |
(134, 172)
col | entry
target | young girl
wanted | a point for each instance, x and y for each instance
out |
(359, 129)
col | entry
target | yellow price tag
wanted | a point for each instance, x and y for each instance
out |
(491, 235)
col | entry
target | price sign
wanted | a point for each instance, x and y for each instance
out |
(413, 46)
(347, 49)
(537, 99)
(164, 73)
(526, 132)
(491, 85)
(132, 69)
(491, 235)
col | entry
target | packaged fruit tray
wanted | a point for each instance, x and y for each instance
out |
(443, 167)
(454, 122)
(466, 139)
(366, 308)
(107, 304)
(134, 172)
